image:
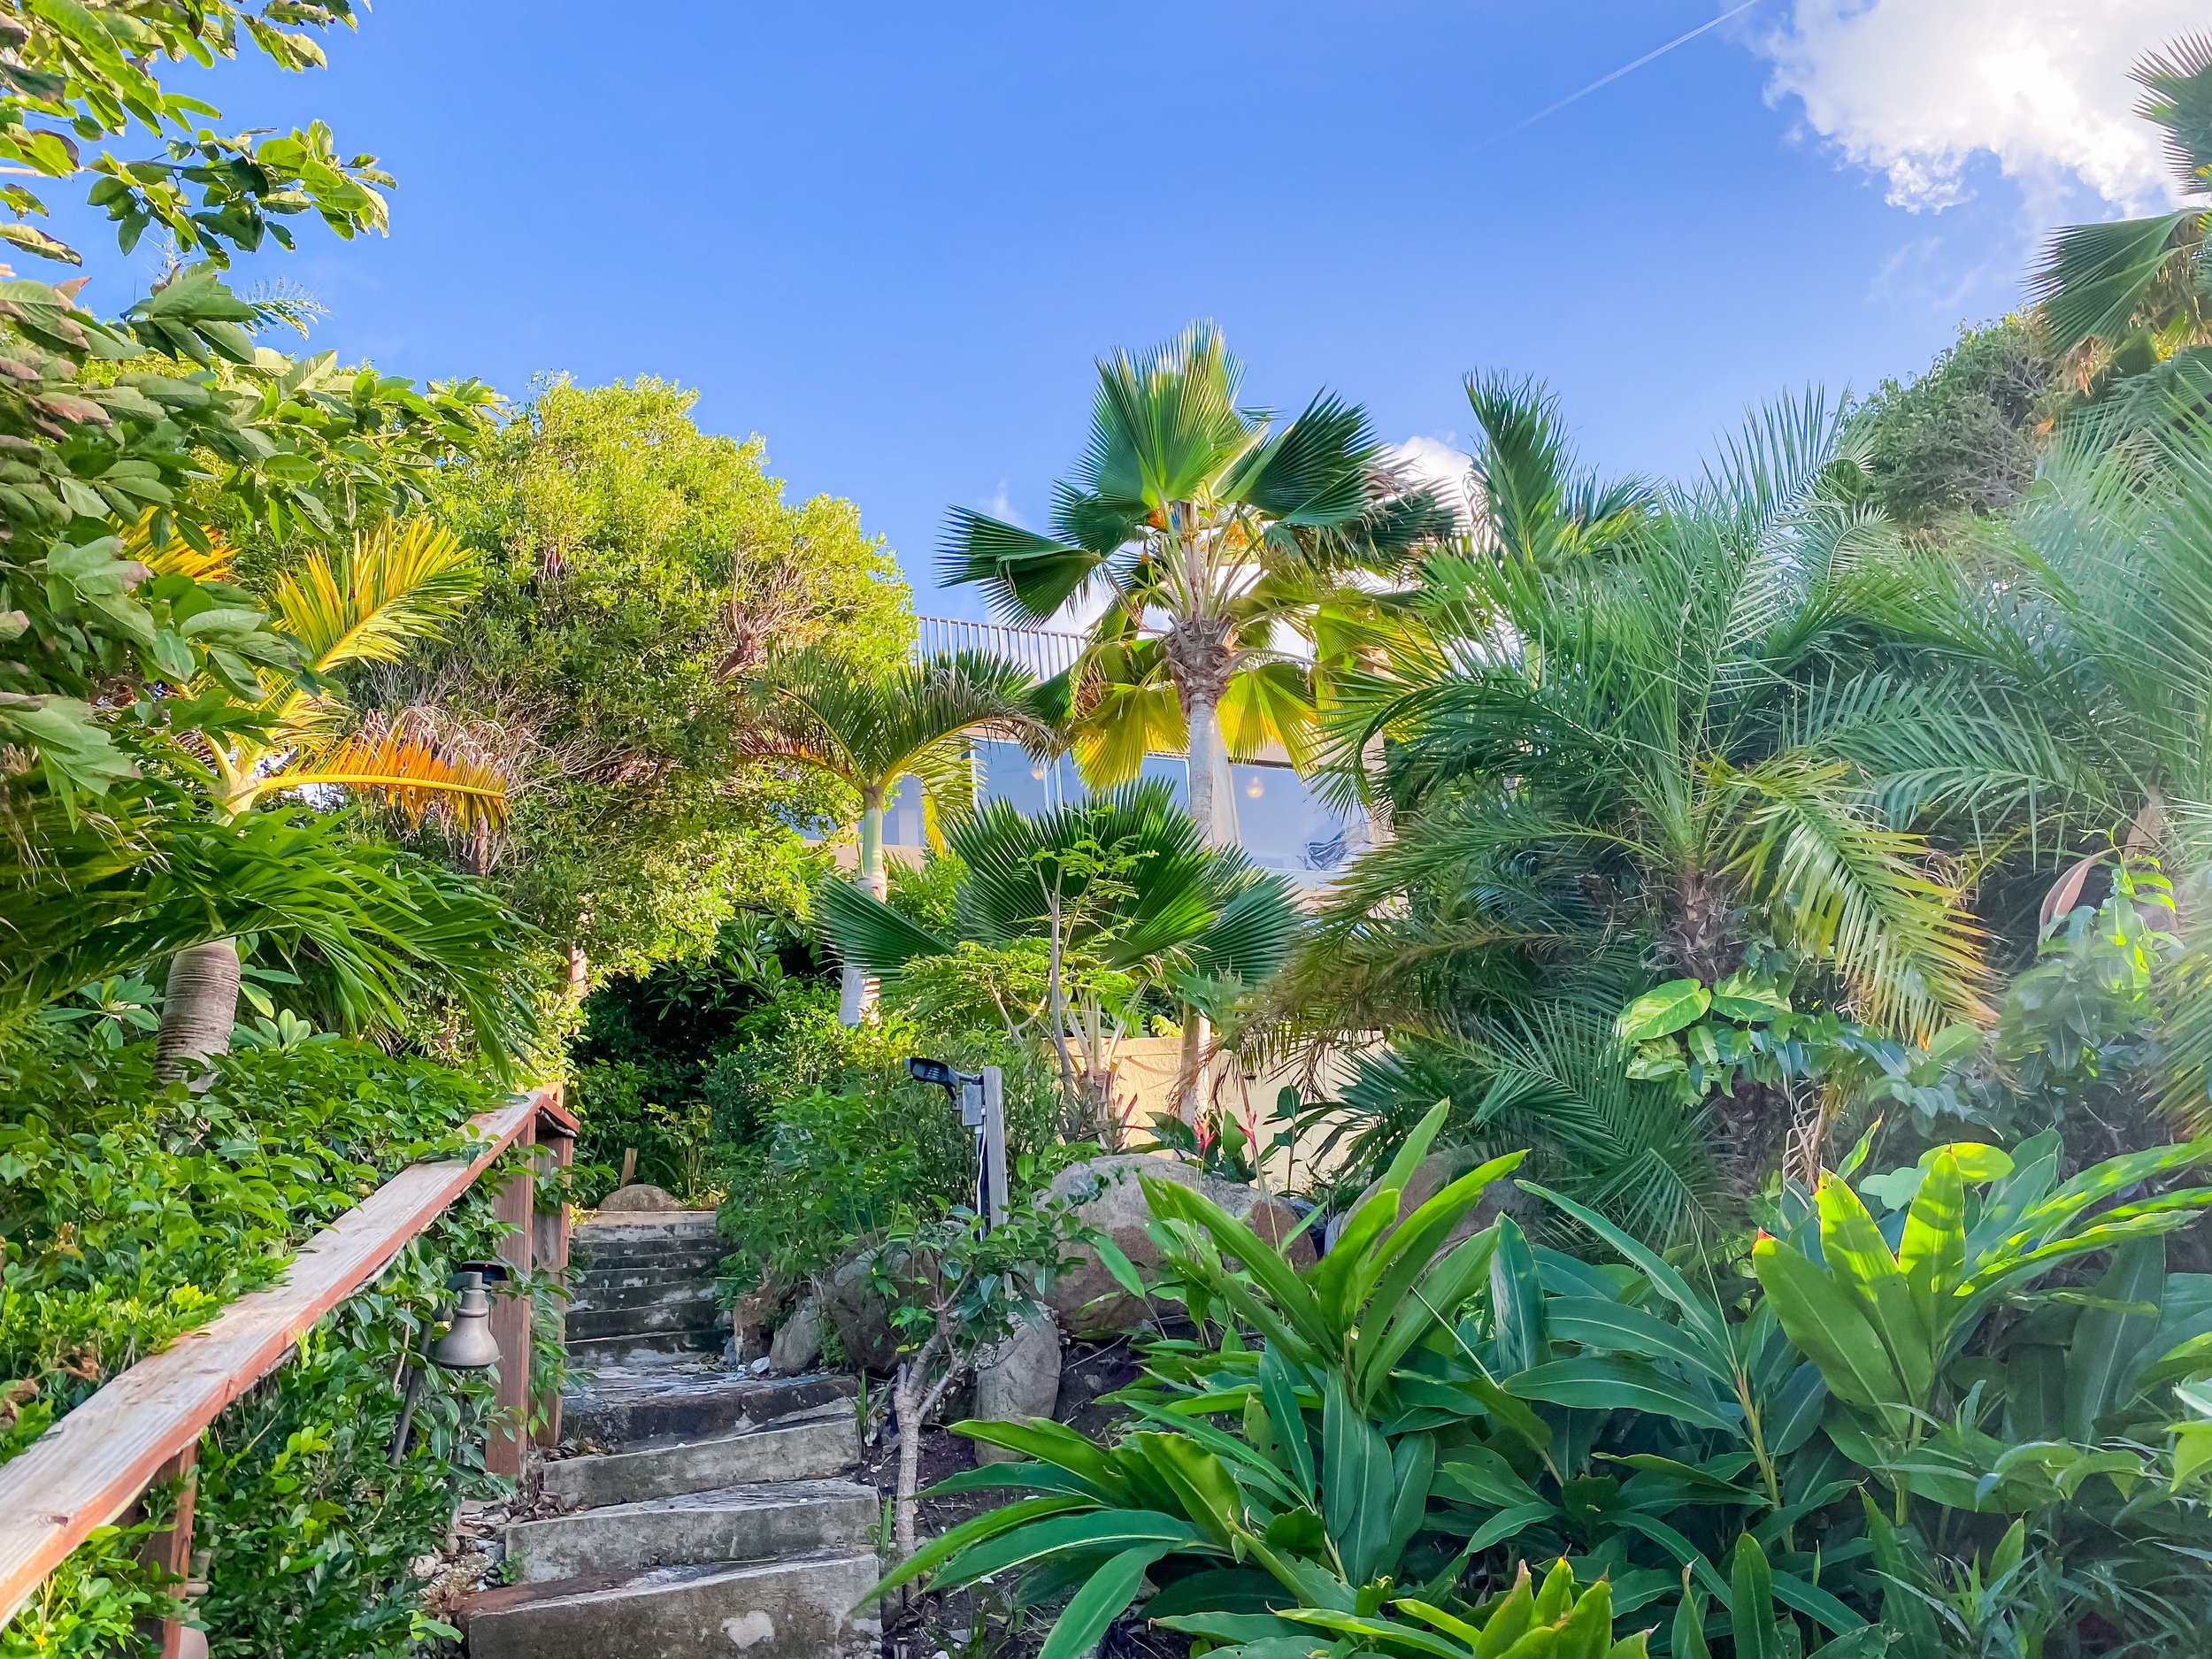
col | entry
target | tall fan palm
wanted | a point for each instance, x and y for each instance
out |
(394, 585)
(868, 734)
(1209, 526)
(1642, 744)
(2141, 289)
(1122, 881)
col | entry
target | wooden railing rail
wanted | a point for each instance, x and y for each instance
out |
(145, 1424)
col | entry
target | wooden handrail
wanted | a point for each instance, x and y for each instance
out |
(90, 1467)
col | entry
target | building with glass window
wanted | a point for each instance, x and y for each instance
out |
(1280, 819)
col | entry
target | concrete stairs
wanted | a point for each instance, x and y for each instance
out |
(708, 1516)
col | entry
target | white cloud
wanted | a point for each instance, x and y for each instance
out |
(1918, 89)
(1001, 507)
(1438, 463)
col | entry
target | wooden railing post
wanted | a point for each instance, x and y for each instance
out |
(548, 1250)
(170, 1551)
(511, 1317)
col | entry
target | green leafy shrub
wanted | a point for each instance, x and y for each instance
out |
(134, 1212)
(1859, 1439)
(841, 1141)
(616, 1110)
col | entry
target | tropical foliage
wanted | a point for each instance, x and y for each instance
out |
(1206, 528)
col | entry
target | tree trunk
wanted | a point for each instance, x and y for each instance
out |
(857, 992)
(198, 1009)
(1700, 937)
(1213, 808)
(906, 1400)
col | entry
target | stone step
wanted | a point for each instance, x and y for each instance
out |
(688, 1313)
(678, 1227)
(628, 1298)
(799, 1608)
(812, 1449)
(599, 1352)
(700, 1256)
(788, 1517)
(620, 1406)
(594, 1282)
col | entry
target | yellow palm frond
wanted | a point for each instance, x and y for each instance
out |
(397, 584)
(178, 556)
(408, 770)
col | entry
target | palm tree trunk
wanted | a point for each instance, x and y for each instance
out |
(1210, 809)
(198, 1007)
(857, 992)
(1211, 806)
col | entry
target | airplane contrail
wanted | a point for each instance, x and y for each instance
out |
(1607, 80)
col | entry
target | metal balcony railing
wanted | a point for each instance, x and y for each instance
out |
(1042, 651)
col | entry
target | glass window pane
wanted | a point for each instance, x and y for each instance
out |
(1284, 827)
(902, 815)
(1170, 770)
(1005, 773)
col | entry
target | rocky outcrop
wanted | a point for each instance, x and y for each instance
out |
(1111, 1199)
(1018, 1380)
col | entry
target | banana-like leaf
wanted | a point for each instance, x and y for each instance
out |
(2104, 1356)
(1105, 1595)
(1088, 1532)
(1597, 1382)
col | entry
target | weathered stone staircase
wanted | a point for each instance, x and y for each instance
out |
(708, 1516)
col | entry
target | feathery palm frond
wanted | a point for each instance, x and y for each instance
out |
(869, 731)
(400, 766)
(176, 556)
(370, 926)
(396, 585)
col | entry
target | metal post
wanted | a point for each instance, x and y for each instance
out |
(995, 1140)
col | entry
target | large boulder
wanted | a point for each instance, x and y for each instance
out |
(1112, 1200)
(798, 1341)
(1430, 1176)
(1018, 1380)
(640, 1197)
(860, 1315)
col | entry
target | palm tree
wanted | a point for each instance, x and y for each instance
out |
(394, 585)
(1119, 886)
(869, 733)
(1650, 743)
(2137, 291)
(1209, 528)
(1530, 500)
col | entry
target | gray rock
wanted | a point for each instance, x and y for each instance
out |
(1430, 1176)
(860, 1317)
(798, 1341)
(1018, 1380)
(1085, 1296)
(639, 1195)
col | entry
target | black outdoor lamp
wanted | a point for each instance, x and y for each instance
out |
(967, 1090)
(467, 1345)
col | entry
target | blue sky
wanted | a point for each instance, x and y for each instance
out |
(892, 239)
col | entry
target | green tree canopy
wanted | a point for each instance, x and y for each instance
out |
(637, 571)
